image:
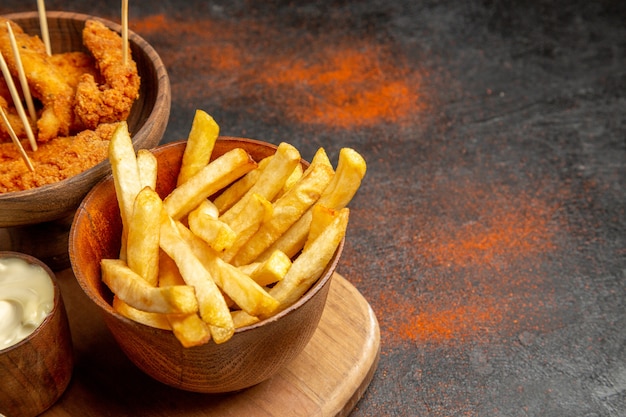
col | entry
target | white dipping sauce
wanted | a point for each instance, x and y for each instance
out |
(26, 298)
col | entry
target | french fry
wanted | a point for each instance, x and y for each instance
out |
(169, 274)
(156, 320)
(272, 270)
(125, 176)
(350, 171)
(245, 225)
(321, 217)
(204, 223)
(295, 176)
(310, 264)
(321, 157)
(200, 143)
(189, 329)
(147, 165)
(242, 319)
(235, 191)
(210, 179)
(247, 294)
(142, 246)
(212, 306)
(287, 210)
(136, 292)
(271, 180)
(342, 188)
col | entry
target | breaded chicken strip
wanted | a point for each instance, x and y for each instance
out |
(46, 82)
(111, 100)
(6, 102)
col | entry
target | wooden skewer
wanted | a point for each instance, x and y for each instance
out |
(43, 24)
(17, 102)
(16, 140)
(22, 75)
(125, 32)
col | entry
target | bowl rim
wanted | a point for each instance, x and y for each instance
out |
(162, 100)
(56, 302)
(107, 308)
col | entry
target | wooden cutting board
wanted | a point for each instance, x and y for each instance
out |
(327, 379)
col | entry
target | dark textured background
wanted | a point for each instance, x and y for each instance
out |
(489, 234)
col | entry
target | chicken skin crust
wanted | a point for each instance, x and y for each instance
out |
(113, 98)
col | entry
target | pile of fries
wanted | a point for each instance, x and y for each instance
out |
(202, 266)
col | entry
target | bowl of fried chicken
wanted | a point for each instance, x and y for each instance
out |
(91, 76)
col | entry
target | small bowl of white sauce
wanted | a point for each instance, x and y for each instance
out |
(36, 354)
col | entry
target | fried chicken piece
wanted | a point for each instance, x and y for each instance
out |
(55, 160)
(111, 100)
(14, 120)
(46, 82)
(73, 65)
(11, 113)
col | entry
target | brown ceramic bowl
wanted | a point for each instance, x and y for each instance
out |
(37, 370)
(254, 354)
(55, 202)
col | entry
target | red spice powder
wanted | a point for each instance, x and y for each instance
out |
(481, 277)
(345, 85)
(436, 322)
(503, 233)
(354, 83)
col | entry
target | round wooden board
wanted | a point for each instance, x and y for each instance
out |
(327, 379)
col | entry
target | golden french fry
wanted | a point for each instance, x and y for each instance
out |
(212, 306)
(169, 274)
(241, 319)
(213, 177)
(157, 320)
(142, 246)
(287, 210)
(321, 217)
(310, 264)
(272, 270)
(342, 188)
(350, 171)
(204, 223)
(200, 143)
(271, 180)
(321, 157)
(147, 165)
(239, 287)
(136, 292)
(236, 190)
(189, 329)
(293, 178)
(125, 176)
(247, 222)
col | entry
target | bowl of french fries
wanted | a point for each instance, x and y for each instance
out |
(211, 258)
(88, 76)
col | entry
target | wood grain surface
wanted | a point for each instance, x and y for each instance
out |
(327, 379)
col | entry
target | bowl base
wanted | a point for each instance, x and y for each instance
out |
(46, 241)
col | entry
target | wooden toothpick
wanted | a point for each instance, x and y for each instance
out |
(125, 32)
(43, 24)
(16, 140)
(17, 102)
(22, 75)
